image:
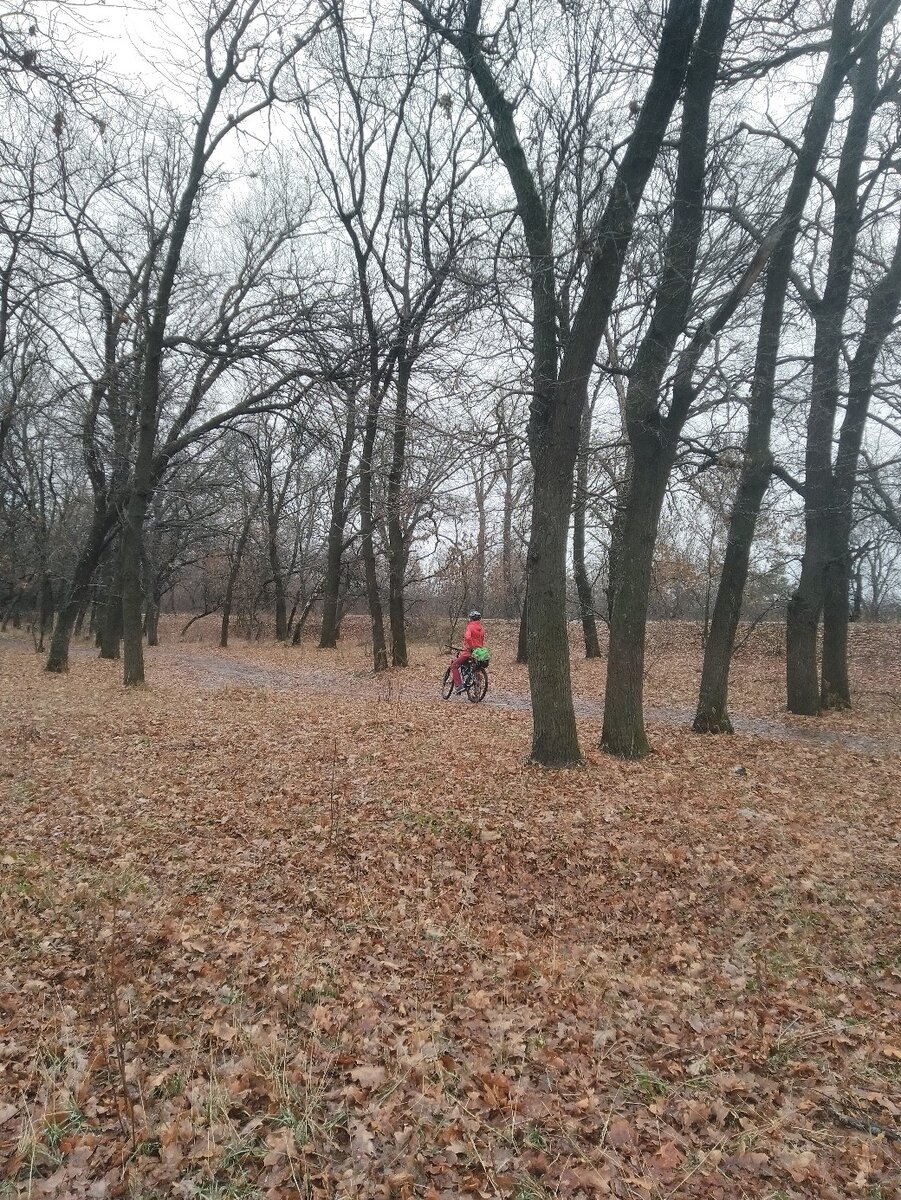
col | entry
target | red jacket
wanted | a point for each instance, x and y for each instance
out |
(474, 636)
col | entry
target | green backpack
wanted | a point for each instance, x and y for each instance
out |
(481, 656)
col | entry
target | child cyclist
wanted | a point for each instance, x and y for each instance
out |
(473, 639)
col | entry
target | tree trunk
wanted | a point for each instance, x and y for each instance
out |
(623, 731)
(328, 638)
(580, 571)
(712, 711)
(397, 548)
(653, 437)
(367, 529)
(45, 610)
(298, 632)
(101, 525)
(836, 684)
(233, 573)
(560, 387)
(132, 584)
(110, 631)
(522, 645)
(806, 604)
(882, 309)
(507, 535)
(555, 741)
(152, 620)
(275, 566)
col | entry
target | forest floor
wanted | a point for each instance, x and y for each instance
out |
(274, 927)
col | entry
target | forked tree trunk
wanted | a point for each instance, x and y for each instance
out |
(806, 603)
(102, 523)
(882, 310)
(653, 436)
(712, 711)
(560, 387)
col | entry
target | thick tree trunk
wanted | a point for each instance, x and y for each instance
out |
(836, 684)
(328, 637)
(110, 631)
(712, 711)
(712, 715)
(623, 731)
(802, 620)
(397, 547)
(132, 583)
(555, 741)
(580, 570)
(103, 521)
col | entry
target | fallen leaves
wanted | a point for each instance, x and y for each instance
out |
(334, 974)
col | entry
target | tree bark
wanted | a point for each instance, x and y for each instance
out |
(522, 645)
(152, 619)
(102, 523)
(110, 631)
(367, 530)
(806, 603)
(560, 388)
(882, 310)
(328, 638)
(233, 573)
(580, 570)
(712, 711)
(397, 543)
(275, 566)
(653, 438)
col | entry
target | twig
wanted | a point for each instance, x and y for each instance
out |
(873, 1128)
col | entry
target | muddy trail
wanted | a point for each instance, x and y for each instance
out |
(212, 672)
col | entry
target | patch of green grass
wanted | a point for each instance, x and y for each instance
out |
(648, 1082)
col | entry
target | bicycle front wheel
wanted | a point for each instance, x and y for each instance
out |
(479, 687)
(447, 685)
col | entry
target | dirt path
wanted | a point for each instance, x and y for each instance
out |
(209, 671)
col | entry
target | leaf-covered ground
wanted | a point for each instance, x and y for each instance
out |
(339, 941)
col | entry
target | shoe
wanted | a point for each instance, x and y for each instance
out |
(459, 691)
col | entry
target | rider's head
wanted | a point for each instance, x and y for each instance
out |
(475, 615)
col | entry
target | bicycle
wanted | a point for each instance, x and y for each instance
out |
(473, 675)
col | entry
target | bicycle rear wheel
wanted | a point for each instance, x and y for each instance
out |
(479, 689)
(447, 685)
